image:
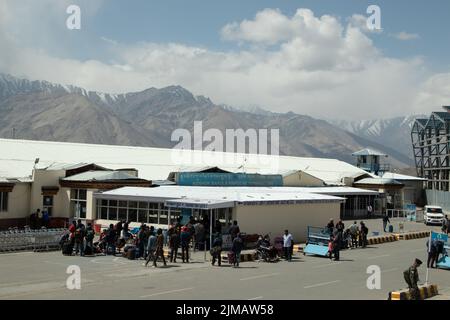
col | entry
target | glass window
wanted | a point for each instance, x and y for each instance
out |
(82, 194)
(104, 202)
(3, 201)
(143, 205)
(123, 204)
(103, 213)
(132, 204)
(113, 203)
(122, 213)
(163, 217)
(142, 217)
(112, 214)
(132, 215)
(47, 204)
(153, 216)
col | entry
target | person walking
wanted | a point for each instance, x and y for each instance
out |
(354, 234)
(236, 248)
(159, 251)
(445, 225)
(151, 247)
(411, 277)
(185, 238)
(369, 211)
(287, 245)
(216, 250)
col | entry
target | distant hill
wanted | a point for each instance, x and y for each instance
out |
(44, 111)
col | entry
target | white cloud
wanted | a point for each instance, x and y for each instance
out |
(405, 36)
(312, 65)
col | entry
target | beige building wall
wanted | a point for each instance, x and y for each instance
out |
(18, 202)
(274, 219)
(44, 178)
(302, 179)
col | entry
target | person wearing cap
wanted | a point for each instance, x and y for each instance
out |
(412, 277)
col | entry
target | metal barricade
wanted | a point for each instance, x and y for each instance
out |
(27, 239)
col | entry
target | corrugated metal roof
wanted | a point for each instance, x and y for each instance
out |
(238, 194)
(18, 157)
(381, 181)
(400, 177)
(100, 176)
(368, 152)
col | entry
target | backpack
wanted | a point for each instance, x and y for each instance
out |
(90, 235)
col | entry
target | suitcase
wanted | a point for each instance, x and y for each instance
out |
(67, 249)
(231, 257)
(88, 251)
(391, 228)
(109, 250)
(131, 253)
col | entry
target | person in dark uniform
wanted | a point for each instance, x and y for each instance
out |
(412, 277)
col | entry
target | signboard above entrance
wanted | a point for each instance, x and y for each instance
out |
(228, 179)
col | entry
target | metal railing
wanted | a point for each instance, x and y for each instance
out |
(30, 240)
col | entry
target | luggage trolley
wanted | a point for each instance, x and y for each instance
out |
(318, 239)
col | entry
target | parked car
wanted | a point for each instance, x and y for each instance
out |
(433, 215)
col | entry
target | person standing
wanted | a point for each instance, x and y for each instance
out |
(234, 230)
(141, 241)
(432, 250)
(159, 251)
(174, 244)
(369, 211)
(111, 238)
(236, 248)
(118, 228)
(445, 225)
(185, 238)
(385, 221)
(38, 218)
(79, 238)
(33, 223)
(216, 250)
(411, 277)
(45, 218)
(363, 231)
(330, 226)
(151, 247)
(337, 240)
(287, 245)
(90, 234)
(354, 234)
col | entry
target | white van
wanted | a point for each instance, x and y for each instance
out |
(433, 215)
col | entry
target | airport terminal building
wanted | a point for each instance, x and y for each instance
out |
(104, 184)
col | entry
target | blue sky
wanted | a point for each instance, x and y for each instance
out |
(312, 57)
(198, 23)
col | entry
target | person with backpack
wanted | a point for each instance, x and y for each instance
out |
(90, 234)
(79, 238)
(238, 245)
(411, 277)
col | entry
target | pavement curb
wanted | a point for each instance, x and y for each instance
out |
(412, 235)
(425, 292)
(381, 239)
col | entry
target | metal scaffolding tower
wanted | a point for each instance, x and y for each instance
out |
(431, 146)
